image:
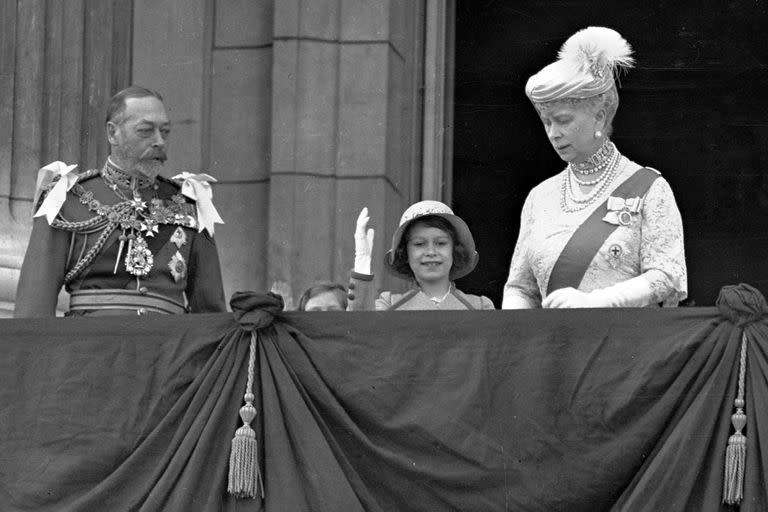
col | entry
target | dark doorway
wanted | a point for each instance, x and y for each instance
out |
(695, 107)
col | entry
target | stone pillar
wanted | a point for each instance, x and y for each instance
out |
(239, 139)
(437, 176)
(49, 111)
(212, 61)
(345, 132)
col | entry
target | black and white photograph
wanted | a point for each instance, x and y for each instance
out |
(383, 255)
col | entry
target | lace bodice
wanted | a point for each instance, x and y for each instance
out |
(651, 245)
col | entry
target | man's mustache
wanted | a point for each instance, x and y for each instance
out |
(156, 154)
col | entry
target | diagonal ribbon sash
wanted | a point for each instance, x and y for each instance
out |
(583, 245)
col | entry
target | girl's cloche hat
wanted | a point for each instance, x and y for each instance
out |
(436, 208)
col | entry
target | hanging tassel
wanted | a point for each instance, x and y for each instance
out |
(244, 472)
(736, 452)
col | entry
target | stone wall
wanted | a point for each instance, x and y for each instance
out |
(304, 110)
(58, 67)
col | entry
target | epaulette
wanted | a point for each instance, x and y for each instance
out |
(198, 188)
(169, 181)
(62, 179)
(87, 175)
(42, 192)
(81, 177)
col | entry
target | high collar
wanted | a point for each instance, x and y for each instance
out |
(115, 174)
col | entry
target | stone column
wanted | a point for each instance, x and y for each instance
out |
(212, 61)
(345, 132)
(49, 111)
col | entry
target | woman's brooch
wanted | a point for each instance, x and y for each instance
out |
(620, 210)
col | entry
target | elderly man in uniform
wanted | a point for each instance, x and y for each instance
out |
(123, 239)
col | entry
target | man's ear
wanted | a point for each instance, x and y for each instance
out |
(111, 133)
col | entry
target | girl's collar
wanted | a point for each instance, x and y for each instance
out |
(436, 300)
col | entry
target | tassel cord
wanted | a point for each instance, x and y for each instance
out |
(244, 472)
(736, 451)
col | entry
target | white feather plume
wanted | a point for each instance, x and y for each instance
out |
(597, 48)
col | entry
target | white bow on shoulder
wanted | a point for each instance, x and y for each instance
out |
(198, 188)
(58, 194)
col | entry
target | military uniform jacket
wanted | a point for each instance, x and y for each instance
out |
(184, 261)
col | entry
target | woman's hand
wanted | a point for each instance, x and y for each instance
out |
(363, 243)
(569, 298)
(632, 293)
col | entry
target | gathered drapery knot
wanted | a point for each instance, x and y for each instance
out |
(742, 304)
(255, 310)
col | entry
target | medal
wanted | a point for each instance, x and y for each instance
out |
(139, 259)
(179, 238)
(615, 252)
(178, 267)
(625, 217)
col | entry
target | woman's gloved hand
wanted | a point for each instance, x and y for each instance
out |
(633, 293)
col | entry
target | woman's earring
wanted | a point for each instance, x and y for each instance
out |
(598, 134)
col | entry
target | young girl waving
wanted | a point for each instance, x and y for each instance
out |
(431, 247)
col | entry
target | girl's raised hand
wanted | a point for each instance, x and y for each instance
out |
(363, 243)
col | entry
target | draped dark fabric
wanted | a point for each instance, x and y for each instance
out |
(465, 410)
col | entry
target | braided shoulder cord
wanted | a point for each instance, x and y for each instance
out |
(91, 254)
(86, 226)
(92, 225)
(103, 213)
(106, 220)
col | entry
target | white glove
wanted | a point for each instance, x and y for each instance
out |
(633, 293)
(283, 288)
(515, 299)
(363, 244)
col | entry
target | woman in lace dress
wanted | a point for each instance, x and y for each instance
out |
(604, 232)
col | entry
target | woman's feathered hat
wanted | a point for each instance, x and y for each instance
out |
(586, 66)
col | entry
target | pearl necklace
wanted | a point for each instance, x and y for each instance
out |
(602, 167)
(597, 162)
(578, 204)
(586, 183)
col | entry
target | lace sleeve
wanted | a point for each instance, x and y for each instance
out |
(661, 245)
(522, 290)
(662, 290)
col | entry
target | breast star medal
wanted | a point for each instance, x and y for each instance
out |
(179, 237)
(178, 267)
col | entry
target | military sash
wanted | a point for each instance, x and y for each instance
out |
(583, 245)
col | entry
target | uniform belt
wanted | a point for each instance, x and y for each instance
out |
(146, 302)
